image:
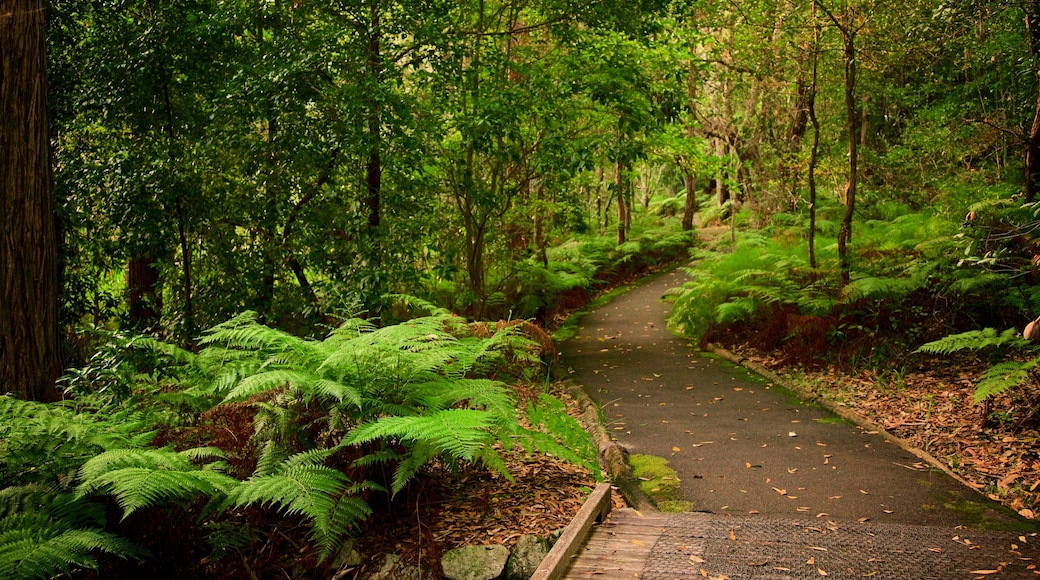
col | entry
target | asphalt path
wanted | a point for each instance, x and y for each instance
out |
(744, 446)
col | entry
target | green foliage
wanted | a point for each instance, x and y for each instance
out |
(1000, 377)
(45, 528)
(302, 486)
(974, 340)
(1007, 375)
(554, 431)
(142, 478)
(37, 546)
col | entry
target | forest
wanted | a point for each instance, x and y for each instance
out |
(274, 265)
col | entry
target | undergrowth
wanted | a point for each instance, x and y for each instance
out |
(262, 421)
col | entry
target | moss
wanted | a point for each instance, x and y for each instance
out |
(986, 515)
(833, 421)
(659, 482)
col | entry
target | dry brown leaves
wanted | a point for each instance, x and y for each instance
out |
(479, 507)
(933, 410)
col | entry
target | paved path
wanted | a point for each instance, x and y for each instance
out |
(745, 448)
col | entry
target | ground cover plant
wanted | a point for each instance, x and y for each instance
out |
(262, 433)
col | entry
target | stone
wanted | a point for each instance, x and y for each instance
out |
(393, 568)
(526, 557)
(475, 562)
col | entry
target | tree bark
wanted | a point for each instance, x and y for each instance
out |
(1032, 168)
(690, 181)
(619, 194)
(30, 346)
(143, 295)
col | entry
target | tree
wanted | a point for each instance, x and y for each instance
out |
(30, 353)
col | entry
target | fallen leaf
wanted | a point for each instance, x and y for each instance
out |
(822, 573)
(676, 449)
(696, 559)
(638, 542)
(732, 536)
(985, 572)
(811, 561)
(780, 491)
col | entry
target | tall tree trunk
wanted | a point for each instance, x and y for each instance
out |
(143, 294)
(689, 175)
(619, 194)
(30, 345)
(374, 167)
(690, 182)
(1032, 169)
(813, 155)
(846, 26)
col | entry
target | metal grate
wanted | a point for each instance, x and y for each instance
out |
(698, 545)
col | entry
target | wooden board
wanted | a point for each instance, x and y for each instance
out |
(619, 547)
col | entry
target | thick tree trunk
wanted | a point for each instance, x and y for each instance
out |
(143, 295)
(1032, 169)
(30, 351)
(814, 154)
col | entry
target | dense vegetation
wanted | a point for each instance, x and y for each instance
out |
(297, 177)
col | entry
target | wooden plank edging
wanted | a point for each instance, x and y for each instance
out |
(556, 561)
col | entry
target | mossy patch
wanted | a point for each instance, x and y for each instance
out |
(659, 482)
(986, 515)
(835, 420)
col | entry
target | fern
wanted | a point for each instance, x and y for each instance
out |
(146, 478)
(302, 486)
(53, 533)
(456, 434)
(554, 431)
(1003, 376)
(973, 340)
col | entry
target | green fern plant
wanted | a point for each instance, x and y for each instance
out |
(555, 432)
(997, 378)
(302, 485)
(43, 533)
(141, 478)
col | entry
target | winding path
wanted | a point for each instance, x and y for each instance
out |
(781, 488)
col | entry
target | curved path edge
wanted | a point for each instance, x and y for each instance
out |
(841, 411)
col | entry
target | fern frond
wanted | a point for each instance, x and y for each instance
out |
(145, 478)
(459, 433)
(300, 487)
(36, 546)
(973, 340)
(737, 309)
(1001, 377)
(880, 287)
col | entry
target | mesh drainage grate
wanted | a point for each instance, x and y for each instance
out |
(699, 545)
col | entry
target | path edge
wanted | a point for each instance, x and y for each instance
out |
(612, 457)
(841, 411)
(558, 559)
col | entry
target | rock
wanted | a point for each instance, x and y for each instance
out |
(475, 562)
(394, 569)
(526, 557)
(345, 561)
